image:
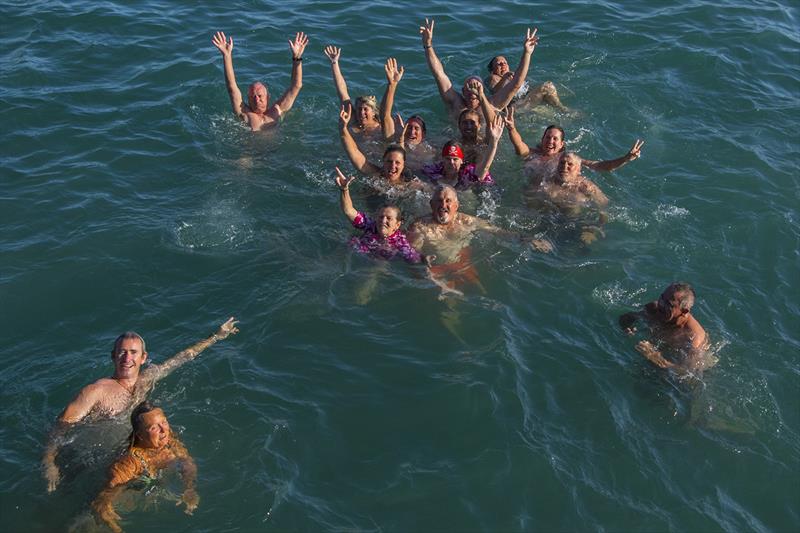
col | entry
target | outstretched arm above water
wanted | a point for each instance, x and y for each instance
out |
(297, 47)
(520, 147)
(184, 356)
(393, 76)
(506, 93)
(343, 182)
(357, 157)
(334, 53)
(452, 100)
(225, 46)
(607, 166)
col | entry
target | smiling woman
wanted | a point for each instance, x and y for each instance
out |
(153, 448)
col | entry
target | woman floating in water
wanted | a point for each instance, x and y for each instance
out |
(382, 236)
(500, 76)
(367, 122)
(153, 448)
(393, 171)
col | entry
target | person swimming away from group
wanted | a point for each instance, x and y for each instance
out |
(570, 192)
(541, 162)
(382, 235)
(410, 134)
(129, 384)
(367, 118)
(257, 113)
(678, 341)
(453, 171)
(500, 75)
(153, 447)
(392, 172)
(454, 102)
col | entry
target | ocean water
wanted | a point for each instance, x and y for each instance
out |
(354, 398)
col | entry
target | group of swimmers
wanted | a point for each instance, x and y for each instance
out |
(439, 240)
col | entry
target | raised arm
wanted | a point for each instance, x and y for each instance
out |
(451, 98)
(334, 53)
(393, 77)
(607, 166)
(297, 47)
(495, 132)
(522, 149)
(506, 93)
(225, 47)
(357, 158)
(487, 108)
(184, 356)
(344, 200)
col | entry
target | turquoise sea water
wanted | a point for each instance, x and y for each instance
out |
(130, 198)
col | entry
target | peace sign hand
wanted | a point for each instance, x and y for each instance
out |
(531, 40)
(342, 181)
(427, 33)
(636, 151)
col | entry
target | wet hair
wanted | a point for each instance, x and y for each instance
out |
(685, 294)
(395, 148)
(398, 213)
(136, 418)
(421, 123)
(490, 66)
(251, 91)
(442, 187)
(468, 111)
(369, 101)
(128, 335)
(554, 127)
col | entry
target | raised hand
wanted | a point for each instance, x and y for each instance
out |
(342, 181)
(496, 127)
(224, 46)
(475, 87)
(427, 33)
(393, 74)
(531, 40)
(333, 53)
(298, 45)
(636, 151)
(345, 114)
(508, 118)
(228, 328)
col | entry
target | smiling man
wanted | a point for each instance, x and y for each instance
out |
(127, 386)
(676, 333)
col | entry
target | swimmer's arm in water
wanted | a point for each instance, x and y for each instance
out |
(452, 99)
(286, 101)
(522, 149)
(346, 203)
(357, 157)
(188, 470)
(607, 166)
(393, 77)
(120, 473)
(184, 356)
(495, 131)
(334, 53)
(505, 94)
(628, 321)
(226, 49)
(652, 354)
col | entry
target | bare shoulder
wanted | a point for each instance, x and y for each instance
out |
(698, 334)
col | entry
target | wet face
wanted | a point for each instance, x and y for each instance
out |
(364, 113)
(414, 133)
(451, 166)
(154, 430)
(387, 221)
(444, 206)
(499, 66)
(393, 164)
(569, 168)
(257, 98)
(128, 358)
(469, 125)
(552, 142)
(669, 306)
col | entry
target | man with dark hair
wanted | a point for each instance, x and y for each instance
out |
(676, 331)
(127, 386)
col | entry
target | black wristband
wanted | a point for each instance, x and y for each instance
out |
(297, 59)
(427, 46)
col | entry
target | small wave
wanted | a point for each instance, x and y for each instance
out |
(665, 212)
(624, 215)
(221, 225)
(615, 295)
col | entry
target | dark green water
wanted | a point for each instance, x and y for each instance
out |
(131, 199)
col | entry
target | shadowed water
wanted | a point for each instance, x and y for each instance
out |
(354, 399)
